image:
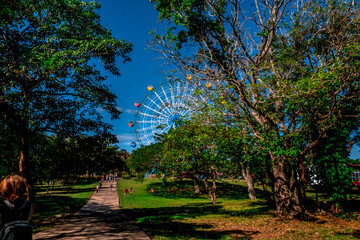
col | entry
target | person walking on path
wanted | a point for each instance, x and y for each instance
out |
(100, 218)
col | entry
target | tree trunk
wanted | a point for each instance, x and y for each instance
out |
(302, 179)
(213, 190)
(283, 194)
(281, 190)
(196, 184)
(245, 170)
(47, 189)
(294, 188)
(24, 168)
(210, 192)
(24, 156)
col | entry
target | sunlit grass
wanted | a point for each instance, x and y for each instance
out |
(175, 212)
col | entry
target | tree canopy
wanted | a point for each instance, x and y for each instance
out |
(51, 54)
(287, 70)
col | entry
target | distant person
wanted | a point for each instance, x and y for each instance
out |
(16, 209)
(125, 192)
(97, 188)
(131, 190)
(153, 191)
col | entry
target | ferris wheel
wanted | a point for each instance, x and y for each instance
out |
(162, 109)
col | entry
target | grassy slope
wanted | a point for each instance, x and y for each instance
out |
(62, 202)
(175, 213)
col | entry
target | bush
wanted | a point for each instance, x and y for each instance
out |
(126, 176)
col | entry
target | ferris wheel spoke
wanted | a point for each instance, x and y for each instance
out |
(152, 115)
(178, 95)
(162, 102)
(153, 102)
(151, 141)
(168, 128)
(183, 112)
(166, 97)
(172, 95)
(150, 121)
(167, 100)
(175, 96)
(144, 137)
(153, 110)
(148, 136)
(147, 129)
(145, 140)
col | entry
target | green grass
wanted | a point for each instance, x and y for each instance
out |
(176, 213)
(61, 203)
(168, 214)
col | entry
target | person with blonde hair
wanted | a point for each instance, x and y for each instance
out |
(16, 209)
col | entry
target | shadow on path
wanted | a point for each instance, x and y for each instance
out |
(100, 218)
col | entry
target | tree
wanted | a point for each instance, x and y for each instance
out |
(58, 158)
(329, 160)
(232, 141)
(50, 57)
(191, 147)
(145, 159)
(241, 154)
(291, 70)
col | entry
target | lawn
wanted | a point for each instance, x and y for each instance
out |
(63, 201)
(176, 213)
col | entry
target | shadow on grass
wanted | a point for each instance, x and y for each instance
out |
(58, 206)
(97, 220)
(64, 190)
(355, 234)
(52, 209)
(185, 189)
(73, 187)
(352, 205)
(175, 222)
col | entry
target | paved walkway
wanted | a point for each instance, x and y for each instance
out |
(100, 218)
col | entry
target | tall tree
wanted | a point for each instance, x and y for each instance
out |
(51, 53)
(145, 159)
(291, 69)
(191, 147)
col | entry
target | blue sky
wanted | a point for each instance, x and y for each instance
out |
(132, 21)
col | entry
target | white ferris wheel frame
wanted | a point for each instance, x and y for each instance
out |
(162, 107)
